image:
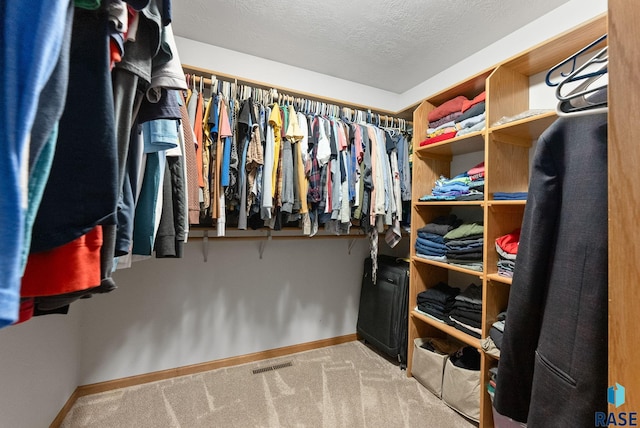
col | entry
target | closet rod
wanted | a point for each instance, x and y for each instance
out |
(199, 74)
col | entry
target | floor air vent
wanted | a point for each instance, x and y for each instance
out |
(271, 368)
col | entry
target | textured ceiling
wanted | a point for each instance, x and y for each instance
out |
(392, 45)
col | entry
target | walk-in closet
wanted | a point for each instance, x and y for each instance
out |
(197, 194)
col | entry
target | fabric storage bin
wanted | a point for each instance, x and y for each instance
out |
(428, 367)
(461, 390)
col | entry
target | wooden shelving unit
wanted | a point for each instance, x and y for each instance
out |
(506, 149)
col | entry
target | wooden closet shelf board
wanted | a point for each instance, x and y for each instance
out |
(499, 278)
(277, 237)
(202, 73)
(469, 143)
(451, 331)
(469, 88)
(449, 203)
(527, 128)
(498, 203)
(545, 55)
(448, 266)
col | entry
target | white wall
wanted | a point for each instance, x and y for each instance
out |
(284, 76)
(39, 363)
(175, 312)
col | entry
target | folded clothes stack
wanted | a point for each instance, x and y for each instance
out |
(466, 314)
(466, 186)
(430, 240)
(507, 248)
(455, 117)
(464, 246)
(437, 301)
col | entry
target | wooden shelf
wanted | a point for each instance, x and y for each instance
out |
(199, 233)
(199, 72)
(499, 278)
(469, 88)
(470, 143)
(493, 203)
(448, 266)
(528, 128)
(549, 53)
(448, 203)
(451, 331)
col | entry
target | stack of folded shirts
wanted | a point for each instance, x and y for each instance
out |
(464, 245)
(497, 329)
(477, 173)
(474, 183)
(456, 186)
(507, 248)
(455, 117)
(438, 301)
(442, 124)
(430, 241)
(467, 186)
(510, 196)
(466, 314)
(472, 118)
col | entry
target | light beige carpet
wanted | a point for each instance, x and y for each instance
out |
(347, 385)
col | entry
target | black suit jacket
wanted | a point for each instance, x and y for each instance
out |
(553, 365)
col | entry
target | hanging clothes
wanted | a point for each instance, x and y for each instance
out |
(246, 119)
(189, 145)
(88, 191)
(82, 190)
(255, 159)
(267, 173)
(206, 154)
(312, 166)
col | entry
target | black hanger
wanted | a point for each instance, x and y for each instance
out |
(590, 96)
(573, 60)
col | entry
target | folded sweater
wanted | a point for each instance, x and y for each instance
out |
(448, 107)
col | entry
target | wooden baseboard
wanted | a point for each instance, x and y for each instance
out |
(65, 409)
(110, 385)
